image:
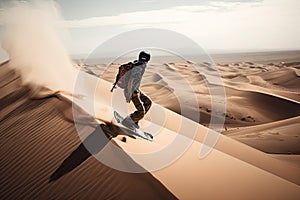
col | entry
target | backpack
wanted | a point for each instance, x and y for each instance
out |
(122, 80)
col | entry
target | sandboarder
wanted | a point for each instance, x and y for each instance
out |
(129, 78)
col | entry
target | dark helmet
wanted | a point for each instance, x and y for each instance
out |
(143, 56)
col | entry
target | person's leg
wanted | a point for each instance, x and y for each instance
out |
(146, 102)
(142, 104)
(140, 110)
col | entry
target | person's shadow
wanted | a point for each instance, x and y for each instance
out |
(93, 144)
(131, 183)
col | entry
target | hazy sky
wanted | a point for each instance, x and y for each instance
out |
(215, 25)
(219, 25)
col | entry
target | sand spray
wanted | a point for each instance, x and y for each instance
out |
(33, 38)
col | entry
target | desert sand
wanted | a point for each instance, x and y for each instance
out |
(44, 155)
(262, 94)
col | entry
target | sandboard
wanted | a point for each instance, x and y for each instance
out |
(133, 131)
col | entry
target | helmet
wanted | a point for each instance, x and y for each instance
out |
(143, 56)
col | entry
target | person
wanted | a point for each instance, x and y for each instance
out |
(132, 92)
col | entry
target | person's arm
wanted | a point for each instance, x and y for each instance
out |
(128, 91)
(134, 81)
(137, 74)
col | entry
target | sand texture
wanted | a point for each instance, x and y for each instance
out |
(43, 156)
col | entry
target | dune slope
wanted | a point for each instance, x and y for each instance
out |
(42, 156)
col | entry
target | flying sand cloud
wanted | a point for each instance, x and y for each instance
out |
(32, 40)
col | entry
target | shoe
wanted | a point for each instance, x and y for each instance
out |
(136, 124)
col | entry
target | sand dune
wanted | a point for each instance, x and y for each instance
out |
(256, 94)
(258, 87)
(43, 157)
(273, 79)
(287, 78)
(259, 107)
(280, 137)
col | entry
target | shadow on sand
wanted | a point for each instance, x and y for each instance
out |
(93, 144)
(144, 181)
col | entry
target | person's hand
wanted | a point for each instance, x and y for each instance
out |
(128, 98)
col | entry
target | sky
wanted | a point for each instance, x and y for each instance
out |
(217, 25)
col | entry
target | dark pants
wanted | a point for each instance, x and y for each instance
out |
(142, 104)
